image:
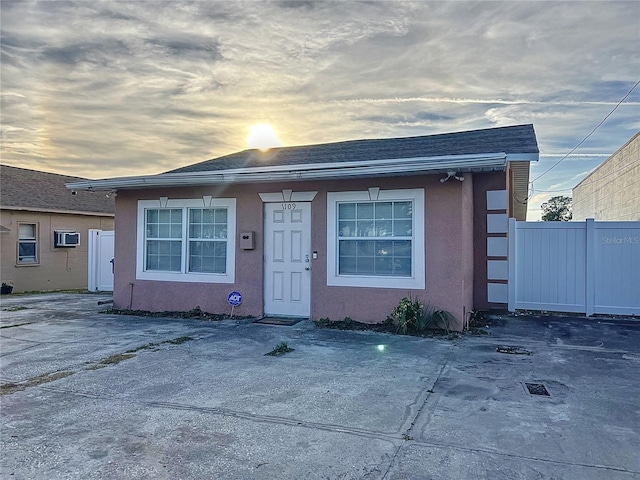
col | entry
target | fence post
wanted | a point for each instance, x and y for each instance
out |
(590, 265)
(512, 258)
(92, 264)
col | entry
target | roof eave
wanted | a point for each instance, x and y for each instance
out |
(57, 210)
(320, 171)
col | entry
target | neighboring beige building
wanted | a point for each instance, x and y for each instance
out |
(612, 191)
(37, 215)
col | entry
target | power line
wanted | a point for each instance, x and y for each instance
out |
(590, 133)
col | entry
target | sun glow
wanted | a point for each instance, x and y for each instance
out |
(263, 137)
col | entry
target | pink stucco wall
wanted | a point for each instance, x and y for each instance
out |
(449, 255)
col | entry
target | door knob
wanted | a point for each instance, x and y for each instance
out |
(307, 268)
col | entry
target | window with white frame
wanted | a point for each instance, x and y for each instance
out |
(27, 243)
(376, 242)
(186, 241)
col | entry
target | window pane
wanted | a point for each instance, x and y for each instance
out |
(208, 216)
(195, 264)
(384, 210)
(176, 231)
(365, 265)
(384, 228)
(347, 248)
(208, 231)
(402, 267)
(365, 228)
(152, 247)
(402, 248)
(27, 249)
(347, 211)
(176, 215)
(364, 211)
(152, 231)
(164, 231)
(220, 231)
(176, 264)
(384, 266)
(220, 249)
(27, 252)
(221, 215)
(152, 216)
(366, 248)
(27, 231)
(164, 263)
(347, 265)
(402, 210)
(220, 265)
(164, 216)
(402, 228)
(347, 229)
(384, 248)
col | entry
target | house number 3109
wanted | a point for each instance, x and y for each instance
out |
(288, 206)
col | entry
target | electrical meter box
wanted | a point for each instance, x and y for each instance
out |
(247, 240)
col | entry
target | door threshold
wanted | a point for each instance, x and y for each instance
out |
(275, 320)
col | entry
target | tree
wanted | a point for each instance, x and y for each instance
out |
(557, 209)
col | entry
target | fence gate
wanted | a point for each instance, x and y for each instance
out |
(101, 260)
(584, 267)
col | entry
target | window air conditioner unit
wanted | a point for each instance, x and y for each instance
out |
(67, 239)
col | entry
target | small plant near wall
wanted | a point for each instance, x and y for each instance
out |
(406, 314)
(411, 316)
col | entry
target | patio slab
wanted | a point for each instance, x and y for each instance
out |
(173, 398)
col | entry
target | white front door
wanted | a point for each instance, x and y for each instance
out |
(287, 256)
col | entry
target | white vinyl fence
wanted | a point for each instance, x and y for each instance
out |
(585, 267)
(101, 260)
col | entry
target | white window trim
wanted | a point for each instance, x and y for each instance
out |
(193, 277)
(417, 280)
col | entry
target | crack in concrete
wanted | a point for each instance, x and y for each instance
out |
(361, 432)
(422, 443)
(426, 393)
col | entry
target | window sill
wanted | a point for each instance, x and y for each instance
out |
(186, 277)
(376, 282)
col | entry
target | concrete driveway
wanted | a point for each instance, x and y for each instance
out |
(89, 395)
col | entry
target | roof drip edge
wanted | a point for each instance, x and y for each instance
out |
(320, 171)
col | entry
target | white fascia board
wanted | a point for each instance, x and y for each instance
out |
(319, 171)
(523, 157)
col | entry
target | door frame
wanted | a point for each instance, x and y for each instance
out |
(287, 196)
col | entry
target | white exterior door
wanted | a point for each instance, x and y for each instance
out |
(287, 256)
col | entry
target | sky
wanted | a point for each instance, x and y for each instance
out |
(101, 89)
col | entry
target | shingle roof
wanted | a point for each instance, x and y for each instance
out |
(518, 139)
(31, 189)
